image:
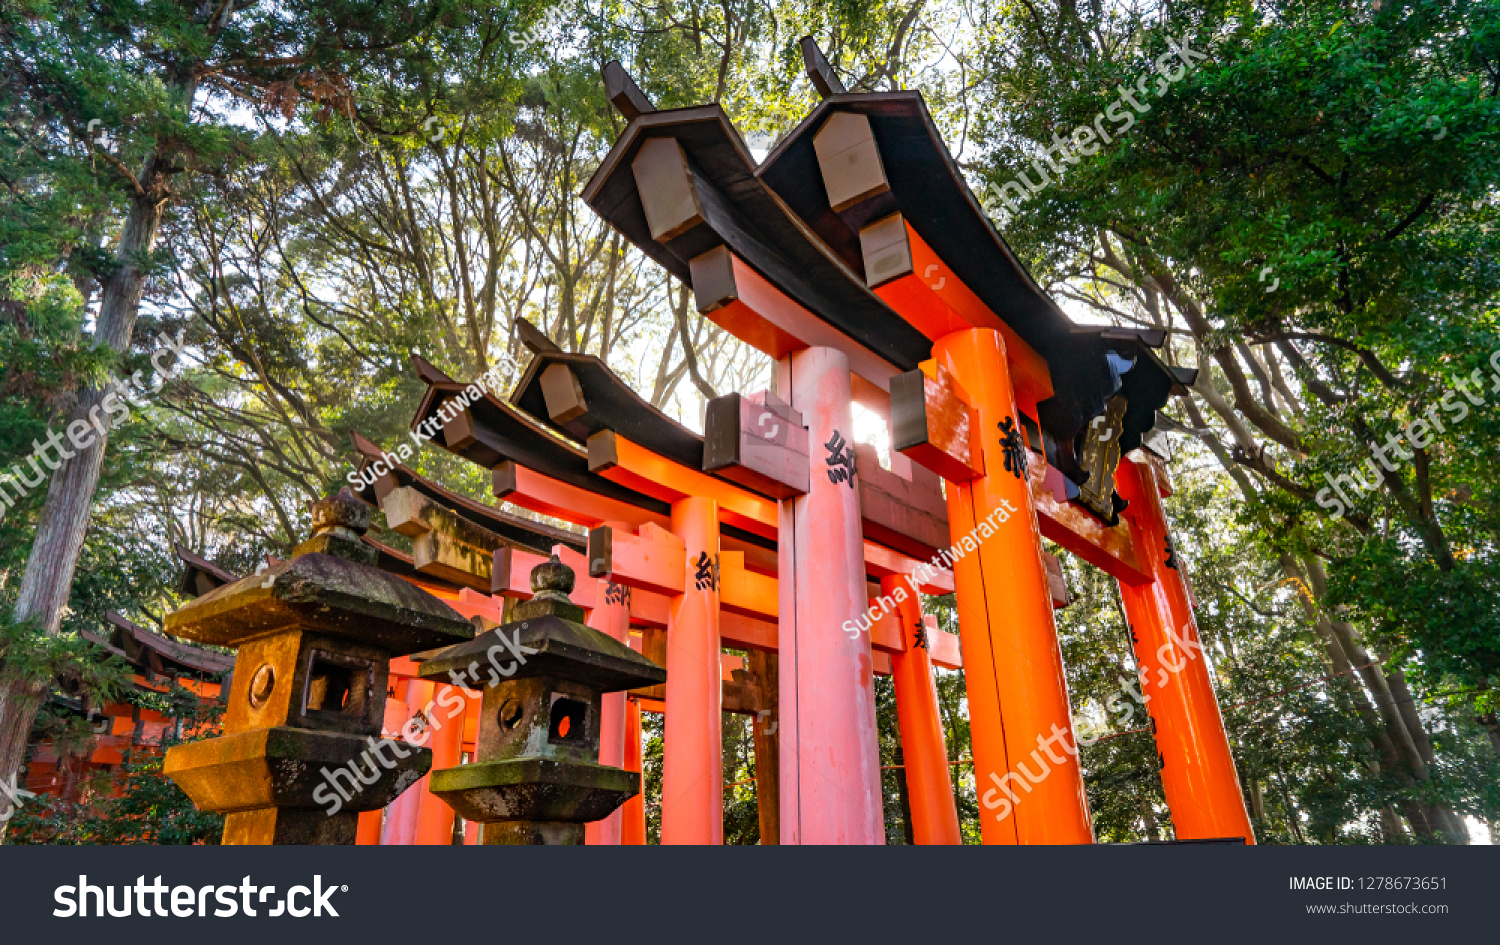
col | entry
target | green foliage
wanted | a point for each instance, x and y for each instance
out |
(33, 656)
(741, 812)
(148, 808)
(653, 726)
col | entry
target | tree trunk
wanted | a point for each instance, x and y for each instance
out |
(905, 798)
(1390, 826)
(1491, 725)
(1438, 816)
(1257, 800)
(1148, 818)
(1293, 819)
(64, 519)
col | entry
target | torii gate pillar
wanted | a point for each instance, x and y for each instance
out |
(829, 760)
(1198, 774)
(610, 616)
(934, 819)
(633, 813)
(1025, 751)
(692, 789)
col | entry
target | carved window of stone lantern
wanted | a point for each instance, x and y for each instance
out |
(569, 721)
(339, 687)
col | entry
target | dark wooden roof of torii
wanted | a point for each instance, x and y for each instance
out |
(607, 403)
(927, 188)
(536, 536)
(199, 575)
(740, 211)
(501, 432)
(582, 397)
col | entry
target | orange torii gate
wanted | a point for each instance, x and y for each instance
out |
(854, 257)
(636, 501)
(858, 260)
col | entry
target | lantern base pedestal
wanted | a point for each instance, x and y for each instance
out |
(534, 790)
(531, 833)
(284, 768)
(290, 826)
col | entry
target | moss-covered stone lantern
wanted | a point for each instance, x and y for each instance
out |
(315, 635)
(536, 777)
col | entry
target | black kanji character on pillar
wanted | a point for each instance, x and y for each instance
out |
(616, 594)
(707, 578)
(921, 637)
(1171, 556)
(841, 458)
(1014, 448)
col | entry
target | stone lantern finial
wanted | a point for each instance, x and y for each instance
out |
(552, 580)
(551, 583)
(337, 522)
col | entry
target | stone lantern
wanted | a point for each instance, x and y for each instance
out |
(536, 777)
(301, 755)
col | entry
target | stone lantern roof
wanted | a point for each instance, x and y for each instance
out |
(549, 630)
(329, 585)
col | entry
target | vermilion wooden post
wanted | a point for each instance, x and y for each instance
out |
(934, 819)
(611, 616)
(829, 763)
(369, 828)
(633, 813)
(692, 793)
(1198, 774)
(1025, 751)
(446, 736)
(401, 816)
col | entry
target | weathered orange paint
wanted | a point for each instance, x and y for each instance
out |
(929, 783)
(692, 808)
(1198, 774)
(953, 451)
(652, 474)
(744, 592)
(633, 812)
(401, 816)
(613, 620)
(767, 319)
(1111, 550)
(541, 493)
(829, 765)
(936, 302)
(445, 733)
(881, 561)
(368, 834)
(986, 724)
(1018, 692)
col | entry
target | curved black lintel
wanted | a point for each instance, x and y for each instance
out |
(612, 405)
(1085, 383)
(502, 432)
